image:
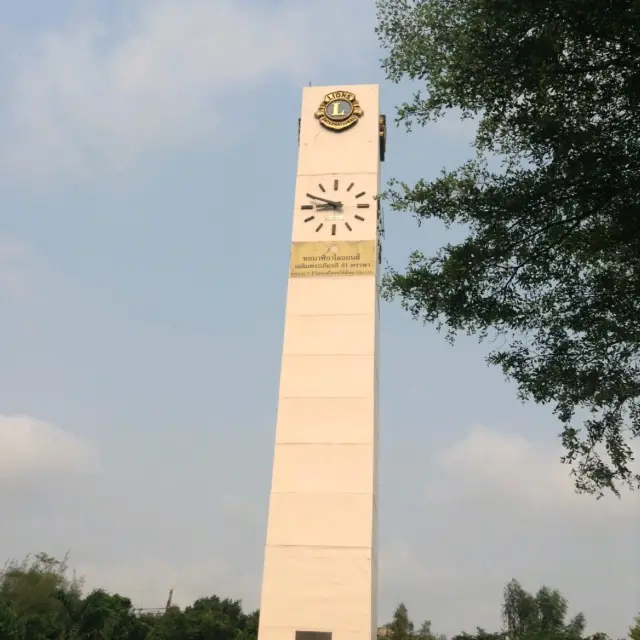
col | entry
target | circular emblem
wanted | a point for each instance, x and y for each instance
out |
(339, 111)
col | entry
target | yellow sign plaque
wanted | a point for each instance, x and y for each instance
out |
(340, 258)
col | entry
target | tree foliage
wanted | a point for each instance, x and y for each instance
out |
(541, 615)
(550, 265)
(525, 616)
(401, 627)
(40, 601)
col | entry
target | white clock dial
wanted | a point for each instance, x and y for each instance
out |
(335, 207)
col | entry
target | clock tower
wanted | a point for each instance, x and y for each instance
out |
(321, 564)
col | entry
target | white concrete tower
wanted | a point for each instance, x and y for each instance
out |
(320, 567)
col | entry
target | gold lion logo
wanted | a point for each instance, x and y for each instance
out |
(339, 111)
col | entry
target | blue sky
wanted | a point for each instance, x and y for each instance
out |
(147, 165)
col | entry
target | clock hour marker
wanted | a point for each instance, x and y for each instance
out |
(346, 224)
(307, 206)
(335, 185)
(361, 194)
(309, 218)
(333, 229)
(359, 218)
(363, 205)
(319, 227)
(350, 186)
(321, 188)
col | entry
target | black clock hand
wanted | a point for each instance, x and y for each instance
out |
(329, 202)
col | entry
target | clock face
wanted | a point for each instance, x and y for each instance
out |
(336, 207)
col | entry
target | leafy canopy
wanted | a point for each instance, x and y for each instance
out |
(40, 601)
(525, 616)
(550, 265)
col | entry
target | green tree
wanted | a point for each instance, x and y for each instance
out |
(549, 265)
(480, 634)
(543, 615)
(400, 627)
(634, 632)
(102, 616)
(425, 632)
(8, 623)
(38, 599)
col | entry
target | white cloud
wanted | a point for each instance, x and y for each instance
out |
(98, 96)
(500, 506)
(11, 251)
(33, 447)
(506, 466)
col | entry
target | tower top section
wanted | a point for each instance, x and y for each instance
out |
(341, 130)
